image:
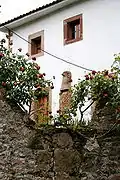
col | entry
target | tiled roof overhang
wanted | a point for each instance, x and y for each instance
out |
(35, 14)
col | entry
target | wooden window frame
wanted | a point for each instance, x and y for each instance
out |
(66, 29)
(32, 37)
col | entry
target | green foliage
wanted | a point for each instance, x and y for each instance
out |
(20, 77)
(101, 87)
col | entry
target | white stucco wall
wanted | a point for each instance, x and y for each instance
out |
(101, 40)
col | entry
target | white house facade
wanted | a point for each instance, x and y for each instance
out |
(84, 32)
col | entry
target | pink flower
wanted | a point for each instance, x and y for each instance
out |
(118, 109)
(91, 77)
(22, 68)
(15, 83)
(4, 84)
(105, 72)
(105, 94)
(86, 77)
(39, 75)
(93, 72)
(37, 67)
(1, 55)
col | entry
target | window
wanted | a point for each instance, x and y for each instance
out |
(36, 44)
(73, 29)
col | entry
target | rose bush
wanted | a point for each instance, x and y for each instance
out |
(100, 87)
(20, 77)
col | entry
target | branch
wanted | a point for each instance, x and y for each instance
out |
(81, 114)
(22, 107)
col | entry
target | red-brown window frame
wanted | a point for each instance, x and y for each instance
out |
(66, 30)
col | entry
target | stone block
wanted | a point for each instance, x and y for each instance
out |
(67, 161)
(114, 177)
(62, 140)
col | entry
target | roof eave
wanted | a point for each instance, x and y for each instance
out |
(36, 15)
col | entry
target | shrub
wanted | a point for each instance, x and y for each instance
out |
(20, 77)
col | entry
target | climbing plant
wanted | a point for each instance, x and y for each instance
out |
(20, 76)
(100, 87)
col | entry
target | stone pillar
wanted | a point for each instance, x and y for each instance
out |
(33, 110)
(65, 93)
(40, 109)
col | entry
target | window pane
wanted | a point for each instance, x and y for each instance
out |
(73, 28)
(36, 45)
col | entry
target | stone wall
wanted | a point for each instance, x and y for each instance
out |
(53, 153)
